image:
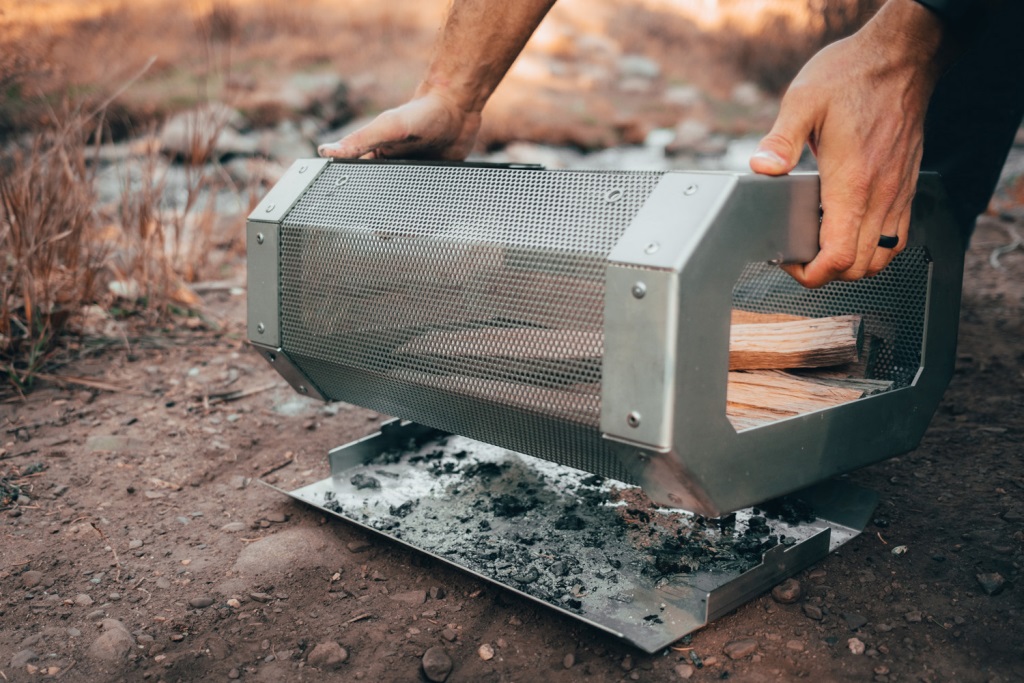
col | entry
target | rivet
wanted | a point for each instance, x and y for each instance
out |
(270, 208)
(303, 389)
(633, 419)
(690, 189)
(272, 357)
(340, 181)
(259, 238)
(652, 248)
(639, 290)
(613, 195)
(261, 328)
(774, 261)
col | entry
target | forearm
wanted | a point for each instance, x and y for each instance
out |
(478, 44)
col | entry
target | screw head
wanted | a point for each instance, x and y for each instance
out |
(639, 290)
(303, 389)
(261, 328)
(633, 419)
(272, 357)
(270, 208)
(613, 195)
(690, 189)
(259, 238)
(652, 248)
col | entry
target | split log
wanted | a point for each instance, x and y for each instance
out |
(741, 317)
(761, 397)
(800, 343)
(814, 343)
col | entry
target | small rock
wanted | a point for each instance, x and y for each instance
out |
(95, 615)
(856, 646)
(20, 659)
(684, 671)
(568, 660)
(627, 663)
(201, 602)
(449, 635)
(234, 674)
(83, 600)
(327, 655)
(738, 649)
(276, 518)
(74, 632)
(795, 645)
(787, 592)
(812, 611)
(234, 603)
(163, 582)
(416, 597)
(853, 620)
(486, 652)
(114, 644)
(436, 664)
(437, 592)
(135, 544)
(992, 583)
(913, 617)
(31, 579)
(234, 527)
(261, 597)
(359, 547)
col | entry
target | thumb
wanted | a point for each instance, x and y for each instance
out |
(779, 151)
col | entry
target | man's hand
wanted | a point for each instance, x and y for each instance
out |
(861, 104)
(429, 126)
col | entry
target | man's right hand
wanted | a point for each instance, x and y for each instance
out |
(430, 126)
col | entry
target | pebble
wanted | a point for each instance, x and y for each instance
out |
(787, 592)
(738, 649)
(416, 597)
(515, 621)
(234, 603)
(135, 544)
(913, 617)
(113, 596)
(449, 635)
(684, 671)
(277, 518)
(114, 644)
(853, 620)
(568, 660)
(74, 632)
(233, 527)
(795, 645)
(234, 674)
(95, 615)
(163, 582)
(627, 663)
(437, 592)
(486, 652)
(327, 655)
(812, 611)
(992, 583)
(359, 547)
(261, 597)
(201, 602)
(883, 628)
(31, 579)
(20, 659)
(856, 646)
(83, 600)
(436, 664)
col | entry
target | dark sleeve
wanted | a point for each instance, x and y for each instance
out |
(949, 10)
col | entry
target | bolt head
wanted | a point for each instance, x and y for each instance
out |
(303, 389)
(633, 419)
(639, 290)
(261, 328)
(259, 238)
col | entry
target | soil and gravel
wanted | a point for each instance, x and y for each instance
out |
(138, 545)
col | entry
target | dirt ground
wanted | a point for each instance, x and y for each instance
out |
(144, 549)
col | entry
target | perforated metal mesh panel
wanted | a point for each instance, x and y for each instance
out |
(892, 305)
(468, 299)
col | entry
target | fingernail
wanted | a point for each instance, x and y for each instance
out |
(769, 156)
(323, 149)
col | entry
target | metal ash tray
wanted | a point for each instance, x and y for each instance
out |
(593, 548)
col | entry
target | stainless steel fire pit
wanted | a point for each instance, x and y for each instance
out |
(583, 318)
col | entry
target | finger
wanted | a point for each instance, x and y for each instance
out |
(901, 219)
(364, 141)
(780, 150)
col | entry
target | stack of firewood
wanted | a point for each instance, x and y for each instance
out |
(779, 366)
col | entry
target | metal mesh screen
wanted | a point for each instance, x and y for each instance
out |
(468, 299)
(892, 306)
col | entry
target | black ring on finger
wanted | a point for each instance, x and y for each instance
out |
(888, 241)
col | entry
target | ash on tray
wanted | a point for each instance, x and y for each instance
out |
(558, 534)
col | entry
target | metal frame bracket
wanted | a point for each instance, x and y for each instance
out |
(280, 361)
